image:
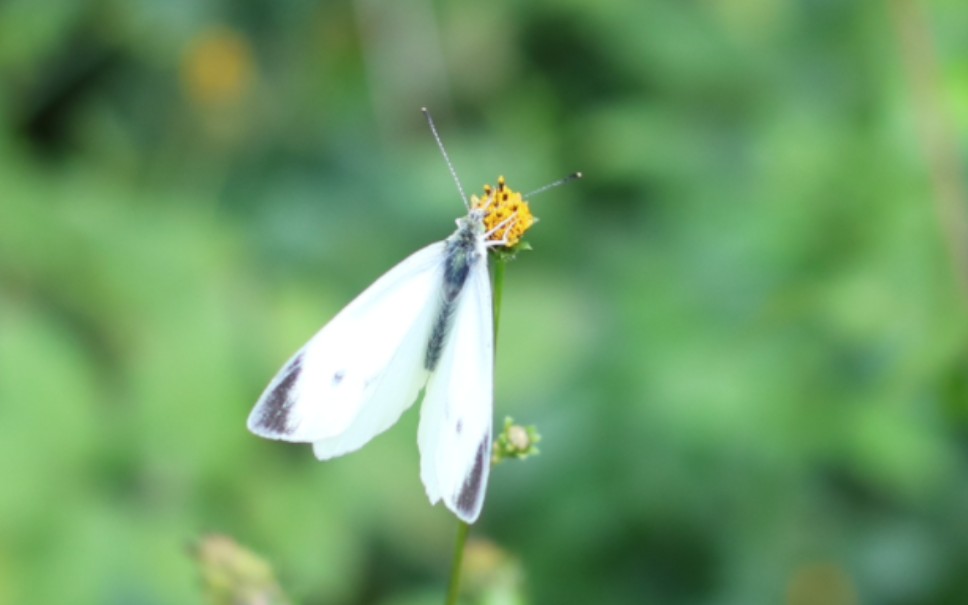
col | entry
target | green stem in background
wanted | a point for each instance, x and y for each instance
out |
(453, 590)
(939, 144)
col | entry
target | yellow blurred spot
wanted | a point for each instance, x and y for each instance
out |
(483, 557)
(491, 575)
(218, 68)
(502, 203)
(821, 583)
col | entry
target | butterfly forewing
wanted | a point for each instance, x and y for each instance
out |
(387, 398)
(347, 384)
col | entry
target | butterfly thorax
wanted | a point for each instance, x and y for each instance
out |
(462, 251)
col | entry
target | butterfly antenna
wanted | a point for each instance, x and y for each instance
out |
(571, 177)
(450, 165)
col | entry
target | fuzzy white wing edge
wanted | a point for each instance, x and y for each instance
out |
(455, 417)
(363, 369)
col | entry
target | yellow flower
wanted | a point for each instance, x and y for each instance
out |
(501, 204)
(218, 68)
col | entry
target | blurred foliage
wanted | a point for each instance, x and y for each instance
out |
(232, 575)
(742, 336)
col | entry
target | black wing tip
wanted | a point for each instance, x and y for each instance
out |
(270, 417)
(261, 426)
(258, 426)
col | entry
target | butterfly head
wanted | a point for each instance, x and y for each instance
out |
(504, 213)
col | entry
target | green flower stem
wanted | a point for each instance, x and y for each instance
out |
(498, 293)
(453, 590)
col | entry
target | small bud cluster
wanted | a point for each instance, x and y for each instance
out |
(515, 442)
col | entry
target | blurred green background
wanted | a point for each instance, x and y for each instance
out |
(742, 336)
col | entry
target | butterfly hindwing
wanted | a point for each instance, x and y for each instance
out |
(455, 418)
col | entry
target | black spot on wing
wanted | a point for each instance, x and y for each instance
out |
(275, 415)
(471, 493)
(338, 377)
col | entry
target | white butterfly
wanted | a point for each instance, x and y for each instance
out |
(424, 325)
